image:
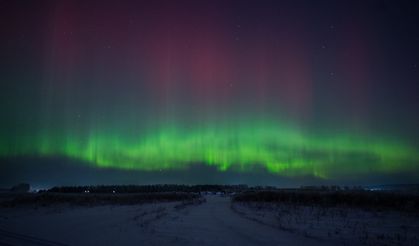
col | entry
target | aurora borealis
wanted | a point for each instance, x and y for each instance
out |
(322, 89)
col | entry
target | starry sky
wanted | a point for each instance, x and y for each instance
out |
(258, 92)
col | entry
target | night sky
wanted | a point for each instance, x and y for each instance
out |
(258, 92)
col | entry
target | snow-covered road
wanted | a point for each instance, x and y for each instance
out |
(215, 223)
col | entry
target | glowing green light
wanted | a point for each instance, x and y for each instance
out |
(278, 148)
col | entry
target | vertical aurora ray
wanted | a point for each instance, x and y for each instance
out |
(164, 86)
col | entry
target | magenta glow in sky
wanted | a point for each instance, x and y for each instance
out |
(75, 73)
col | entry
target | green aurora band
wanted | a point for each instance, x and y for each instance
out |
(278, 148)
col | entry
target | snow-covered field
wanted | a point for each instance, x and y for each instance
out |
(217, 221)
(209, 223)
(342, 226)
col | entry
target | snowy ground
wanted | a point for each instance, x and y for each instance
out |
(213, 222)
(342, 226)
